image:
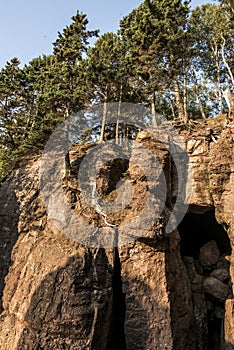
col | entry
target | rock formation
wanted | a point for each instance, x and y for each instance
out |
(160, 291)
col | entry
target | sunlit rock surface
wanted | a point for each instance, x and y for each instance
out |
(147, 294)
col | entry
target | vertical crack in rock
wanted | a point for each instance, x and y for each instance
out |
(117, 333)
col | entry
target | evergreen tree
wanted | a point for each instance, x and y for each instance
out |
(59, 79)
(17, 105)
(153, 33)
(17, 112)
(107, 73)
(69, 50)
(42, 94)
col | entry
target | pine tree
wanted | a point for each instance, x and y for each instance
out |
(59, 79)
(15, 98)
(69, 50)
(17, 113)
(152, 34)
(107, 73)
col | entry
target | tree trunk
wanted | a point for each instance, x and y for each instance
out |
(216, 55)
(179, 104)
(226, 63)
(153, 111)
(201, 107)
(104, 115)
(119, 112)
(230, 102)
(172, 109)
(185, 94)
(229, 99)
(219, 88)
(197, 92)
(67, 111)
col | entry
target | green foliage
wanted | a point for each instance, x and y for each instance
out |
(154, 35)
(36, 98)
(163, 56)
(209, 26)
(104, 66)
(74, 40)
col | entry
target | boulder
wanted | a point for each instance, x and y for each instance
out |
(221, 274)
(216, 288)
(209, 254)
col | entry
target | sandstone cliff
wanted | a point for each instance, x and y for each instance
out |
(159, 291)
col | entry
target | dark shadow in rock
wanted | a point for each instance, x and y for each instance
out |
(137, 326)
(71, 309)
(9, 217)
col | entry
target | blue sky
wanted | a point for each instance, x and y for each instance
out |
(28, 27)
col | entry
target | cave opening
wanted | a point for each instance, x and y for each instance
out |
(205, 246)
(198, 228)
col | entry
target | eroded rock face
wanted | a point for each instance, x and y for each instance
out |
(157, 295)
(57, 293)
(213, 187)
(62, 295)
